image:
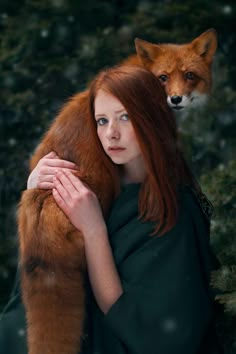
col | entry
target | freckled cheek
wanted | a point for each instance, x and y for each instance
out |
(135, 144)
(101, 137)
(132, 138)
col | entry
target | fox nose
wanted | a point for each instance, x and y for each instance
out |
(176, 99)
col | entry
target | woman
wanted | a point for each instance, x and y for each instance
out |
(149, 262)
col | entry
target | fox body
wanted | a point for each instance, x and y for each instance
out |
(52, 259)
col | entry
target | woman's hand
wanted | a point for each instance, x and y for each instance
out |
(81, 206)
(79, 203)
(42, 175)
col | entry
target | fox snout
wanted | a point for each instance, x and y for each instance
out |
(176, 99)
(175, 102)
(181, 102)
(185, 89)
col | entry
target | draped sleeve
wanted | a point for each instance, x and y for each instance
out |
(166, 306)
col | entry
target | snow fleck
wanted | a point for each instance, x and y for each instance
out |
(169, 325)
(4, 16)
(44, 33)
(21, 332)
(227, 9)
(12, 141)
(70, 18)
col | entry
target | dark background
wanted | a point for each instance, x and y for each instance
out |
(50, 49)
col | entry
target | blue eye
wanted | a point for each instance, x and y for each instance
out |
(125, 117)
(101, 121)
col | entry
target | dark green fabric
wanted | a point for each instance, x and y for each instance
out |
(166, 307)
(13, 331)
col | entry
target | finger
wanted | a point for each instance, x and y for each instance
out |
(74, 180)
(51, 155)
(46, 178)
(59, 200)
(45, 185)
(60, 163)
(64, 182)
(50, 172)
(64, 187)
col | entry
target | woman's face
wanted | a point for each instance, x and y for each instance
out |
(116, 132)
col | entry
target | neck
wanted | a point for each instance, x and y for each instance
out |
(133, 172)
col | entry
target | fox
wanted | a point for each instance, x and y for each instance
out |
(184, 70)
(51, 251)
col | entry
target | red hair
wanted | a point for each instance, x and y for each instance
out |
(142, 95)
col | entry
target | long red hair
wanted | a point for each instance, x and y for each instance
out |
(155, 127)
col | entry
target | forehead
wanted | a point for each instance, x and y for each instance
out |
(106, 102)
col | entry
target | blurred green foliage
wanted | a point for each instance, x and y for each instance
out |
(220, 186)
(50, 49)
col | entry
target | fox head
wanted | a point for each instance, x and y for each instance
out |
(184, 70)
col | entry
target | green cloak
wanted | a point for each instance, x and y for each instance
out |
(167, 304)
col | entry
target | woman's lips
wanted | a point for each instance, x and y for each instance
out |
(115, 149)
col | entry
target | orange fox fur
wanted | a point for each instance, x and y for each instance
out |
(52, 256)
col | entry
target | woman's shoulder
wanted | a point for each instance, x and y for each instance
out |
(195, 201)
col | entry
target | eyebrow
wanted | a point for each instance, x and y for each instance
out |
(117, 112)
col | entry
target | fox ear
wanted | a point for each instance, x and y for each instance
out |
(205, 45)
(146, 51)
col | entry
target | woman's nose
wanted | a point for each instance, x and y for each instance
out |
(113, 131)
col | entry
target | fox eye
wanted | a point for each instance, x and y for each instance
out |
(163, 78)
(190, 76)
